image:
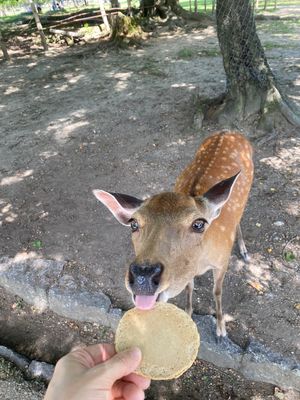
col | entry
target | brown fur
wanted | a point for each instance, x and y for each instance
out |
(165, 220)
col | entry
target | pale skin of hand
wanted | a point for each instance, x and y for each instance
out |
(97, 373)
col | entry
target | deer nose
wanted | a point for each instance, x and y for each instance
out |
(144, 278)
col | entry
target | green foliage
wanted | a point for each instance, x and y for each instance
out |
(289, 256)
(209, 53)
(186, 53)
(37, 244)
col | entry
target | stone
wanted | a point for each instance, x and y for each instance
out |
(81, 305)
(256, 362)
(40, 370)
(10, 355)
(29, 278)
(278, 223)
(261, 364)
(221, 352)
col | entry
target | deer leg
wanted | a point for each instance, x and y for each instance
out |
(218, 284)
(189, 297)
(241, 244)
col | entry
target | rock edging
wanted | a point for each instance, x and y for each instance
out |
(32, 369)
(256, 362)
(43, 284)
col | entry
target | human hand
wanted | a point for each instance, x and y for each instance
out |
(98, 373)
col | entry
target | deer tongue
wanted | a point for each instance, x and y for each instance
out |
(145, 302)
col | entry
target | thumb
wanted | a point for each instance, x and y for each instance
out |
(118, 366)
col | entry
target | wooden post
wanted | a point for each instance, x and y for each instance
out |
(3, 48)
(39, 25)
(103, 14)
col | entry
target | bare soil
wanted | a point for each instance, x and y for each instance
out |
(94, 116)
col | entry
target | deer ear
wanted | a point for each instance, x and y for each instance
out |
(120, 205)
(219, 194)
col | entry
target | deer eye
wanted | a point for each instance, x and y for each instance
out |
(199, 225)
(134, 225)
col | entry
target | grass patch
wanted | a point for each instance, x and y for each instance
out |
(278, 27)
(209, 53)
(186, 53)
(271, 45)
(150, 67)
(18, 18)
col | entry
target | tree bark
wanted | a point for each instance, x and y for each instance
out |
(129, 8)
(251, 87)
(39, 25)
(115, 4)
(213, 6)
(3, 48)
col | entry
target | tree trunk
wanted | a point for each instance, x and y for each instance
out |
(3, 48)
(104, 16)
(39, 25)
(129, 8)
(265, 4)
(251, 88)
(115, 4)
(213, 6)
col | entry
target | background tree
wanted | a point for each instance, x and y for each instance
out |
(251, 88)
(3, 48)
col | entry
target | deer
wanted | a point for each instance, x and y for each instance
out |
(182, 234)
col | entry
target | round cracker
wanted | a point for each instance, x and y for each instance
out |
(167, 336)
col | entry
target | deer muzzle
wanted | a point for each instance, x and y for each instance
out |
(144, 280)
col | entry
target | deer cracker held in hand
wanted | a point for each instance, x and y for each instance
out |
(179, 235)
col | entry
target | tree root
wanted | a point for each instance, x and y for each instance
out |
(265, 110)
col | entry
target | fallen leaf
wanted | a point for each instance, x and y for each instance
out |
(257, 286)
(278, 394)
(297, 306)
(258, 224)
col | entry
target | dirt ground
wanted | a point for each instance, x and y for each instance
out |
(92, 117)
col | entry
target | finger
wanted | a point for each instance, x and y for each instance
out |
(101, 352)
(127, 391)
(138, 380)
(132, 392)
(90, 356)
(115, 368)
